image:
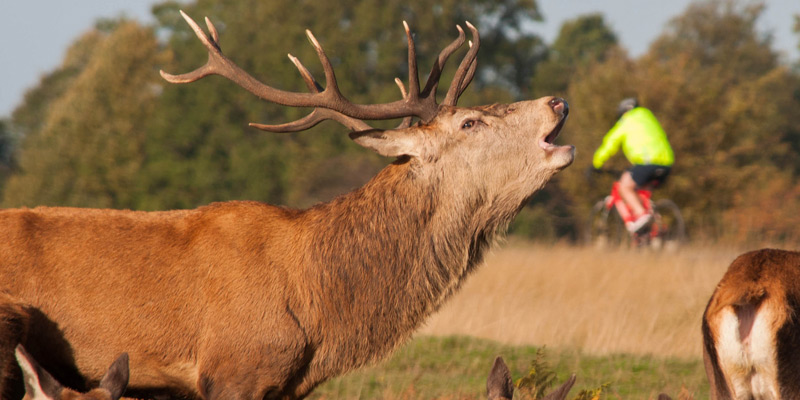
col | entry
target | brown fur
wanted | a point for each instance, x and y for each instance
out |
(248, 300)
(765, 283)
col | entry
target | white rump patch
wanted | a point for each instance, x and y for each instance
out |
(747, 353)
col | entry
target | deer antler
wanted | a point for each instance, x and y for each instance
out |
(329, 103)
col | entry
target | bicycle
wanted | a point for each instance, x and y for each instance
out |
(607, 229)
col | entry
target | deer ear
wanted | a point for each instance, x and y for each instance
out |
(39, 385)
(116, 378)
(389, 143)
(499, 385)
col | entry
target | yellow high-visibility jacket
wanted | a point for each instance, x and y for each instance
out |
(641, 137)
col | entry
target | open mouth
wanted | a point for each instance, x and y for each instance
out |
(548, 142)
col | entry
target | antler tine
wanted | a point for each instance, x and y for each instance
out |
(316, 116)
(213, 30)
(463, 76)
(438, 65)
(399, 84)
(311, 120)
(214, 52)
(331, 86)
(406, 122)
(413, 74)
(311, 83)
(470, 74)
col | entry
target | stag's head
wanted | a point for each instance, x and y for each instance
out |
(499, 145)
(502, 144)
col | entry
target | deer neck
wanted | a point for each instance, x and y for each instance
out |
(391, 252)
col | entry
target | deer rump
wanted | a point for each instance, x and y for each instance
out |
(247, 300)
(751, 332)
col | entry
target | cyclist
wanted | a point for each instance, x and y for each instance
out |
(645, 145)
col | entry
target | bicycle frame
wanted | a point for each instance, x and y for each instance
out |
(645, 196)
(615, 200)
(663, 227)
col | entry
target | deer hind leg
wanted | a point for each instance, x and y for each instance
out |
(747, 350)
(14, 320)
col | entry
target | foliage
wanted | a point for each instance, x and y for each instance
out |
(7, 144)
(797, 27)
(86, 150)
(538, 379)
(541, 377)
(592, 394)
(726, 104)
(580, 42)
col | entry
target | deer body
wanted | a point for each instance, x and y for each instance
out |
(751, 331)
(306, 294)
(248, 300)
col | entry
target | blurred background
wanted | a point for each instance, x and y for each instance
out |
(87, 120)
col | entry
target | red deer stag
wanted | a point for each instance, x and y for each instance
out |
(751, 328)
(40, 385)
(246, 300)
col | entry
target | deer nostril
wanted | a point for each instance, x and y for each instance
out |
(559, 105)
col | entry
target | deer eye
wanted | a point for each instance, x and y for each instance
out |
(469, 124)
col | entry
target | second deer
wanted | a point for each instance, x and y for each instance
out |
(751, 328)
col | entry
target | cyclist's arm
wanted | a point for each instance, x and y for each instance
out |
(611, 144)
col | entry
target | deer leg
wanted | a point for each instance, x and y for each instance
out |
(239, 378)
(243, 367)
(13, 328)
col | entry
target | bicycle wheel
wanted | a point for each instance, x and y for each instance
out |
(606, 228)
(670, 230)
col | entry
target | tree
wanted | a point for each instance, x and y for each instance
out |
(7, 144)
(580, 42)
(797, 31)
(30, 116)
(715, 84)
(85, 150)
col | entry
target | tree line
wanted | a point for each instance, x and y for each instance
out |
(103, 129)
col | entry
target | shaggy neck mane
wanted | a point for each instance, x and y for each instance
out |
(388, 254)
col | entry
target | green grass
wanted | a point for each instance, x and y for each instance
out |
(457, 368)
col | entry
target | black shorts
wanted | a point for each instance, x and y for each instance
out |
(649, 173)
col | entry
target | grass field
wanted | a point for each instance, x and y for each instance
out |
(627, 318)
(456, 367)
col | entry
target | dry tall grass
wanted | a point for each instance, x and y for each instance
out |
(598, 301)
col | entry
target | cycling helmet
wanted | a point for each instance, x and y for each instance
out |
(626, 105)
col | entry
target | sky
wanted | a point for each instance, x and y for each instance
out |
(35, 34)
